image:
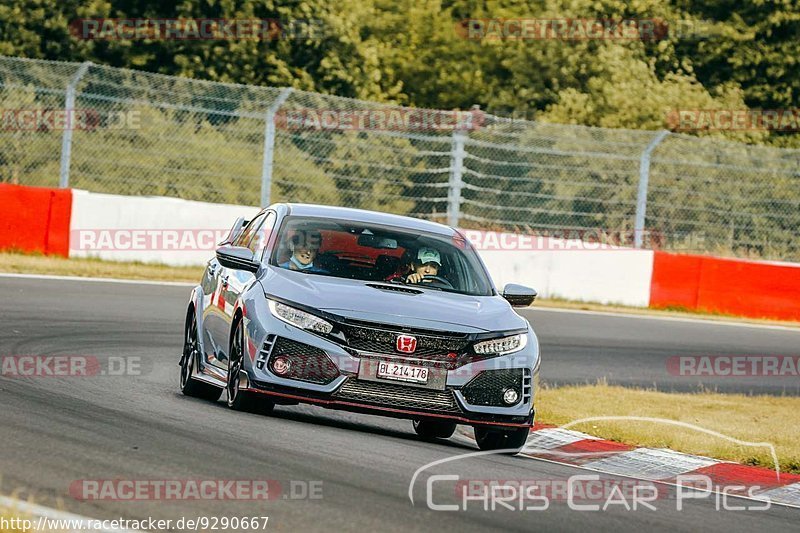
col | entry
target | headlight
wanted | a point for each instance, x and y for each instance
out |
(502, 346)
(299, 318)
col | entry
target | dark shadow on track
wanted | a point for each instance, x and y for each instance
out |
(333, 422)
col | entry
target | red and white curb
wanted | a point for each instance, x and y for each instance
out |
(584, 451)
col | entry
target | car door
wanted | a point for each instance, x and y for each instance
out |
(230, 285)
(213, 309)
(210, 287)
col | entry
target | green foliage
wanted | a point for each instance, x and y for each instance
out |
(205, 142)
(378, 183)
(414, 52)
(26, 154)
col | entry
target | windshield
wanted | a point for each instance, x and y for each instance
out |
(373, 253)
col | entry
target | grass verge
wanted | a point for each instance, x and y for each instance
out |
(747, 418)
(12, 521)
(58, 266)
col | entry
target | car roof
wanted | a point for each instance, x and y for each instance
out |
(369, 217)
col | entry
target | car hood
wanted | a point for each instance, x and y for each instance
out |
(432, 309)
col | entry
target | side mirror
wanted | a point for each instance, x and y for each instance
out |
(519, 295)
(236, 229)
(237, 258)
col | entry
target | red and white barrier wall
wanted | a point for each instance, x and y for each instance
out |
(620, 276)
(34, 219)
(104, 226)
(72, 223)
(730, 286)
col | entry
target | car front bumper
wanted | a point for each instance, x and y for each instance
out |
(467, 394)
(351, 397)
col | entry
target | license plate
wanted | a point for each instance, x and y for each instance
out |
(401, 372)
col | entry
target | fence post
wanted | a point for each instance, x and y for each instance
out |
(66, 135)
(269, 146)
(456, 177)
(644, 181)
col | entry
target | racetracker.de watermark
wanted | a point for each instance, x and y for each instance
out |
(583, 29)
(726, 366)
(782, 120)
(493, 494)
(193, 29)
(69, 366)
(384, 119)
(70, 524)
(131, 490)
(49, 119)
(587, 239)
(138, 239)
(207, 239)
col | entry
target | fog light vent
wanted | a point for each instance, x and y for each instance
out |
(490, 387)
(281, 366)
(510, 396)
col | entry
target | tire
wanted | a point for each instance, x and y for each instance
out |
(495, 439)
(432, 430)
(188, 363)
(239, 400)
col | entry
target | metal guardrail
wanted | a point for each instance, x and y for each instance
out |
(150, 134)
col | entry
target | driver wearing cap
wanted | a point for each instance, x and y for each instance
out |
(427, 263)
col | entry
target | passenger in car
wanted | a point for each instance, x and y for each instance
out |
(427, 263)
(305, 245)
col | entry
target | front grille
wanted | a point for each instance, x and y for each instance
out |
(399, 396)
(308, 363)
(487, 387)
(266, 350)
(383, 340)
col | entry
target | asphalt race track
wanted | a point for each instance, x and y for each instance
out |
(56, 430)
(581, 347)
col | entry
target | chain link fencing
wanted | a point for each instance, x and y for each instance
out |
(135, 133)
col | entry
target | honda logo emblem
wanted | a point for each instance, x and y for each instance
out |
(406, 343)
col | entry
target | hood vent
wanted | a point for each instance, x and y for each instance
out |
(396, 288)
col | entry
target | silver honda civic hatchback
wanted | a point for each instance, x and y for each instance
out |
(367, 312)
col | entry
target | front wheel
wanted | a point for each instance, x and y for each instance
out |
(430, 430)
(191, 353)
(511, 441)
(240, 400)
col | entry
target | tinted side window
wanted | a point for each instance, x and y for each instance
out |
(260, 239)
(249, 232)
